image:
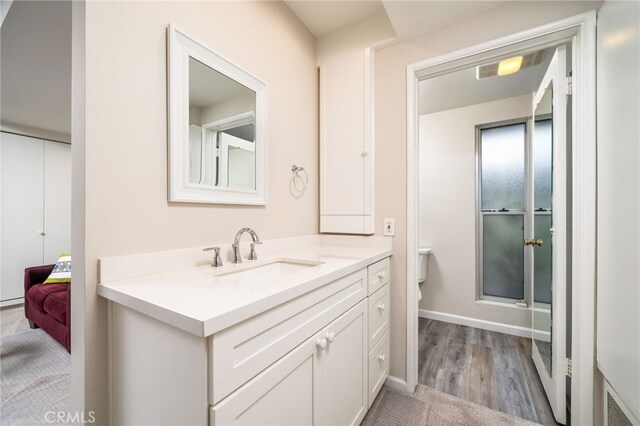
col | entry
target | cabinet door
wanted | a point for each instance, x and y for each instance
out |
(341, 370)
(57, 200)
(22, 210)
(346, 144)
(280, 395)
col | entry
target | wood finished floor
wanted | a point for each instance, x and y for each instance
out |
(492, 369)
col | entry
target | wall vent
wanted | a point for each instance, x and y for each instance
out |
(616, 413)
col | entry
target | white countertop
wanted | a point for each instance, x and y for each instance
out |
(202, 301)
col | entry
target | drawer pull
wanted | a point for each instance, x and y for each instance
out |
(381, 275)
(381, 358)
(330, 336)
(321, 343)
(381, 307)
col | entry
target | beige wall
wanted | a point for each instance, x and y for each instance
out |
(391, 123)
(195, 115)
(126, 206)
(447, 209)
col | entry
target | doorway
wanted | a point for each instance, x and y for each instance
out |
(495, 125)
(579, 33)
(35, 212)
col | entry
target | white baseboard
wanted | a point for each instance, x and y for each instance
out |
(396, 383)
(477, 323)
(12, 302)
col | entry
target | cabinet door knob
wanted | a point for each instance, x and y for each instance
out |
(330, 336)
(381, 358)
(381, 307)
(321, 343)
(365, 154)
(381, 275)
(42, 233)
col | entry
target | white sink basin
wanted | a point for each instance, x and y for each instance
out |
(268, 271)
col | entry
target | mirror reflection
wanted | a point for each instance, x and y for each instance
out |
(222, 147)
(543, 191)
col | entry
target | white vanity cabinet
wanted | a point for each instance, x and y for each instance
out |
(378, 304)
(319, 358)
(346, 144)
(320, 382)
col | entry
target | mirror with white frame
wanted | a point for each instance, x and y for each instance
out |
(217, 144)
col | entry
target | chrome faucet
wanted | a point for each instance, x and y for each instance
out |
(236, 245)
(216, 262)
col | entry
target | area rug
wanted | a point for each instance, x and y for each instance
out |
(431, 407)
(35, 373)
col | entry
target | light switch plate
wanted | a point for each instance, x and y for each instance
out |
(389, 227)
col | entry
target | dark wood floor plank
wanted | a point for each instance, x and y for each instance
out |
(454, 369)
(481, 385)
(539, 397)
(485, 367)
(431, 351)
(513, 391)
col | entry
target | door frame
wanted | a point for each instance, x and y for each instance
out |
(581, 31)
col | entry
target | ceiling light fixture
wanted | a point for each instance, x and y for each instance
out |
(526, 61)
(509, 66)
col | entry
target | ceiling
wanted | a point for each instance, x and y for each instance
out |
(325, 17)
(408, 17)
(208, 87)
(35, 65)
(461, 88)
(413, 17)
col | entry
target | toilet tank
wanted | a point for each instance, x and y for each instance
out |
(423, 257)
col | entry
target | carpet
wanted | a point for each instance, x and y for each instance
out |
(35, 372)
(431, 407)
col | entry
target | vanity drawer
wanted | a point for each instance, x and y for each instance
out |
(239, 353)
(378, 367)
(379, 275)
(379, 303)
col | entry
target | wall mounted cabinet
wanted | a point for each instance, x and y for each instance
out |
(346, 144)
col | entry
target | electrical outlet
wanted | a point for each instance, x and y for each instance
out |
(389, 227)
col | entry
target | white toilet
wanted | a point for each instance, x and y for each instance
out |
(423, 257)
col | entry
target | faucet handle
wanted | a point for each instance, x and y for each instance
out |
(216, 262)
(252, 251)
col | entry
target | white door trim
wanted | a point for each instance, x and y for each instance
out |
(581, 30)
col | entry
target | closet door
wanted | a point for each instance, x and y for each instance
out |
(22, 206)
(57, 200)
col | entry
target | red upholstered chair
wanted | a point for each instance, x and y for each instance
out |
(48, 306)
